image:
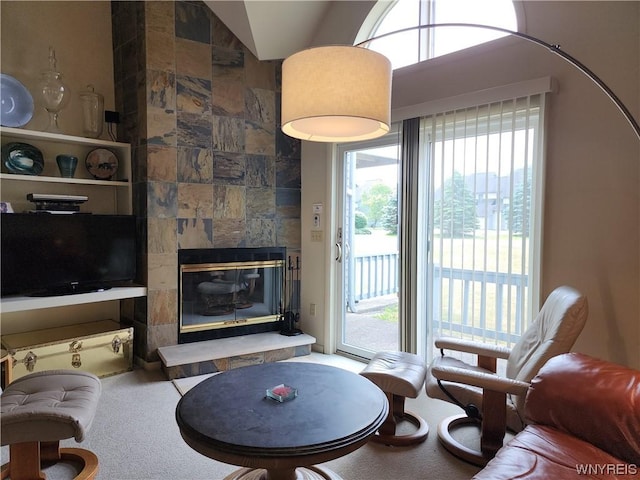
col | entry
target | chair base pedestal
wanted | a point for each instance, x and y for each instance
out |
(28, 467)
(418, 436)
(476, 457)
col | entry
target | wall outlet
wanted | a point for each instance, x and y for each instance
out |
(316, 235)
(312, 309)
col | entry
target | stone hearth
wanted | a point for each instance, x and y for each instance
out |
(190, 359)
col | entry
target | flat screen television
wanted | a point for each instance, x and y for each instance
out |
(55, 254)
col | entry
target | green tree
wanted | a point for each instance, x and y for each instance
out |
(390, 216)
(518, 214)
(455, 210)
(375, 199)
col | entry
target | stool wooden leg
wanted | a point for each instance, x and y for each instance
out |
(398, 405)
(49, 452)
(24, 461)
(390, 423)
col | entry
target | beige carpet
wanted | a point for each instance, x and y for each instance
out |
(428, 460)
(136, 437)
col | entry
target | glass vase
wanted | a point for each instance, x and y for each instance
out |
(54, 93)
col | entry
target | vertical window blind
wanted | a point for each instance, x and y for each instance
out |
(484, 218)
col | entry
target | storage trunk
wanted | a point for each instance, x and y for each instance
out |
(102, 348)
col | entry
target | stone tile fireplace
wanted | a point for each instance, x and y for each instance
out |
(231, 309)
(211, 167)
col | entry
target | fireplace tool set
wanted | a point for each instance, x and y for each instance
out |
(291, 312)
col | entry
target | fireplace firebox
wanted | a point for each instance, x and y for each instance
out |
(225, 292)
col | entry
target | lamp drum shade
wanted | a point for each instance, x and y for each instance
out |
(336, 94)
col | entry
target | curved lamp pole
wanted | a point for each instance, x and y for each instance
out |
(318, 88)
(553, 48)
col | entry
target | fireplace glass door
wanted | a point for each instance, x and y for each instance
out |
(222, 295)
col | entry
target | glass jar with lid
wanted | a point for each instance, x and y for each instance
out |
(92, 112)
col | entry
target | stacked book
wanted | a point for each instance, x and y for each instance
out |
(51, 203)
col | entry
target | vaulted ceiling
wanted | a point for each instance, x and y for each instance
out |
(275, 29)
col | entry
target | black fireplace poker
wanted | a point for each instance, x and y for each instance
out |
(291, 315)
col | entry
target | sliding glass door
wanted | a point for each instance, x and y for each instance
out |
(440, 229)
(368, 257)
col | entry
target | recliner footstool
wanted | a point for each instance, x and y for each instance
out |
(39, 410)
(398, 375)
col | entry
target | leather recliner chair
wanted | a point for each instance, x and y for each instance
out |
(492, 401)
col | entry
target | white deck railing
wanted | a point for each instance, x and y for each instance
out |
(468, 302)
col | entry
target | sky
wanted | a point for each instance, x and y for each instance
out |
(402, 49)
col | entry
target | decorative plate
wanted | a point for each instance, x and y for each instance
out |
(16, 103)
(22, 158)
(102, 164)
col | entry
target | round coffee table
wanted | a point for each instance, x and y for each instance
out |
(228, 417)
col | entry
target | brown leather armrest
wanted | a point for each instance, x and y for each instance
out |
(594, 400)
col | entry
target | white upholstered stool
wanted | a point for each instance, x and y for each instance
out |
(398, 375)
(39, 410)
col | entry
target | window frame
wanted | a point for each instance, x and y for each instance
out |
(426, 37)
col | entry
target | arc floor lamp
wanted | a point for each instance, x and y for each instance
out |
(343, 93)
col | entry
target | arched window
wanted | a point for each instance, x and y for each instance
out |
(414, 46)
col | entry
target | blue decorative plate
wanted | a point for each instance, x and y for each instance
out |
(16, 103)
(22, 158)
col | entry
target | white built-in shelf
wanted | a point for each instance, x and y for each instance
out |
(21, 304)
(70, 181)
(105, 196)
(23, 135)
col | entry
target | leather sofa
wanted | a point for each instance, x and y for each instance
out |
(583, 418)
